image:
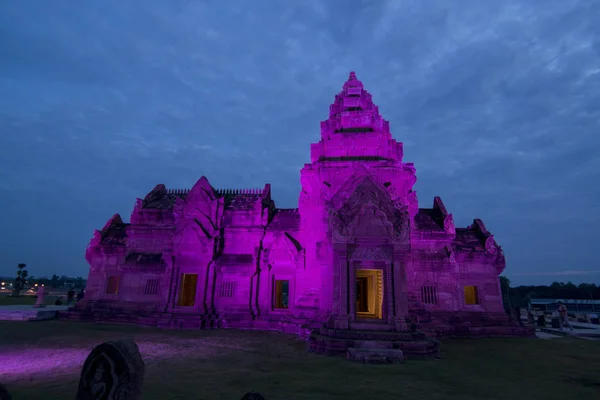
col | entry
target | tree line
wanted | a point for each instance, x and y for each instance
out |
(519, 296)
(24, 281)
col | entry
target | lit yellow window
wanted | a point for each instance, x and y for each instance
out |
(112, 285)
(471, 295)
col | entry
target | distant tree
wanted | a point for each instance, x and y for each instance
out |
(54, 281)
(587, 288)
(20, 280)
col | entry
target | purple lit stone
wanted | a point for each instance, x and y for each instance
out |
(357, 250)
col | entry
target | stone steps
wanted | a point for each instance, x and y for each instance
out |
(375, 355)
(371, 335)
(337, 342)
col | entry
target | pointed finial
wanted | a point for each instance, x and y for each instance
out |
(352, 76)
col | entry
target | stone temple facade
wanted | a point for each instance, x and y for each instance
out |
(357, 255)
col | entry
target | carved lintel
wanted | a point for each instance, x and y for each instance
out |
(373, 253)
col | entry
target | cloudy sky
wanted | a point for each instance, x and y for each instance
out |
(496, 102)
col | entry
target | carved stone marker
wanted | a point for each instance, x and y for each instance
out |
(253, 396)
(4, 395)
(40, 298)
(113, 371)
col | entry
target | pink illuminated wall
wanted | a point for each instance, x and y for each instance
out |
(231, 258)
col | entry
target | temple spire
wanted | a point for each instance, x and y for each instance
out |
(352, 82)
(355, 129)
(353, 111)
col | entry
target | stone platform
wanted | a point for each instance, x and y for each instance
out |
(581, 330)
(373, 346)
(457, 324)
(29, 313)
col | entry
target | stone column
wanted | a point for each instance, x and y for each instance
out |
(390, 291)
(400, 289)
(339, 315)
(351, 268)
(173, 282)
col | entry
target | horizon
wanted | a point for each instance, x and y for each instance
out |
(496, 104)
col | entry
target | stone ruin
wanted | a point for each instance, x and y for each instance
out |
(359, 267)
(114, 371)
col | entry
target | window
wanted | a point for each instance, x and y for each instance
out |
(151, 286)
(471, 295)
(227, 290)
(428, 295)
(112, 285)
(187, 292)
(281, 291)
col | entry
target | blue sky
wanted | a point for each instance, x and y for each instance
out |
(496, 103)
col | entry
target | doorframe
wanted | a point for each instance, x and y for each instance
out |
(383, 266)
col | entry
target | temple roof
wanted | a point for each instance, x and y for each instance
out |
(162, 198)
(115, 234)
(240, 201)
(428, 219)
(469, 238)
(144, 258)
(285, 219)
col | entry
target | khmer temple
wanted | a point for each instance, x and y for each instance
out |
(358, 268)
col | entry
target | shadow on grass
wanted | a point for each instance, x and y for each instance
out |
(224, 364)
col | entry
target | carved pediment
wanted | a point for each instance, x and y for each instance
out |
(202, 205)
(369, 211)
(191, 233)
(285, 245)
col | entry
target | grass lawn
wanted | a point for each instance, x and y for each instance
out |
(6, 300)
(42, 361)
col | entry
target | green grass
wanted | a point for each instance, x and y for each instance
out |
(6, 300)
(46, 358)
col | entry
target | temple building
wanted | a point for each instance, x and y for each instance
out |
(357, 255)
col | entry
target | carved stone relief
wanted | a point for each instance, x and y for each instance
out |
(113, 370)
(490, 245)
(402, 225)
(375, 253)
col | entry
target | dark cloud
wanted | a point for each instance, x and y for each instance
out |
(497, 103)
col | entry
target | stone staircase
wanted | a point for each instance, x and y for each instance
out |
(449, 324)
(174, 321)
(373, 346)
